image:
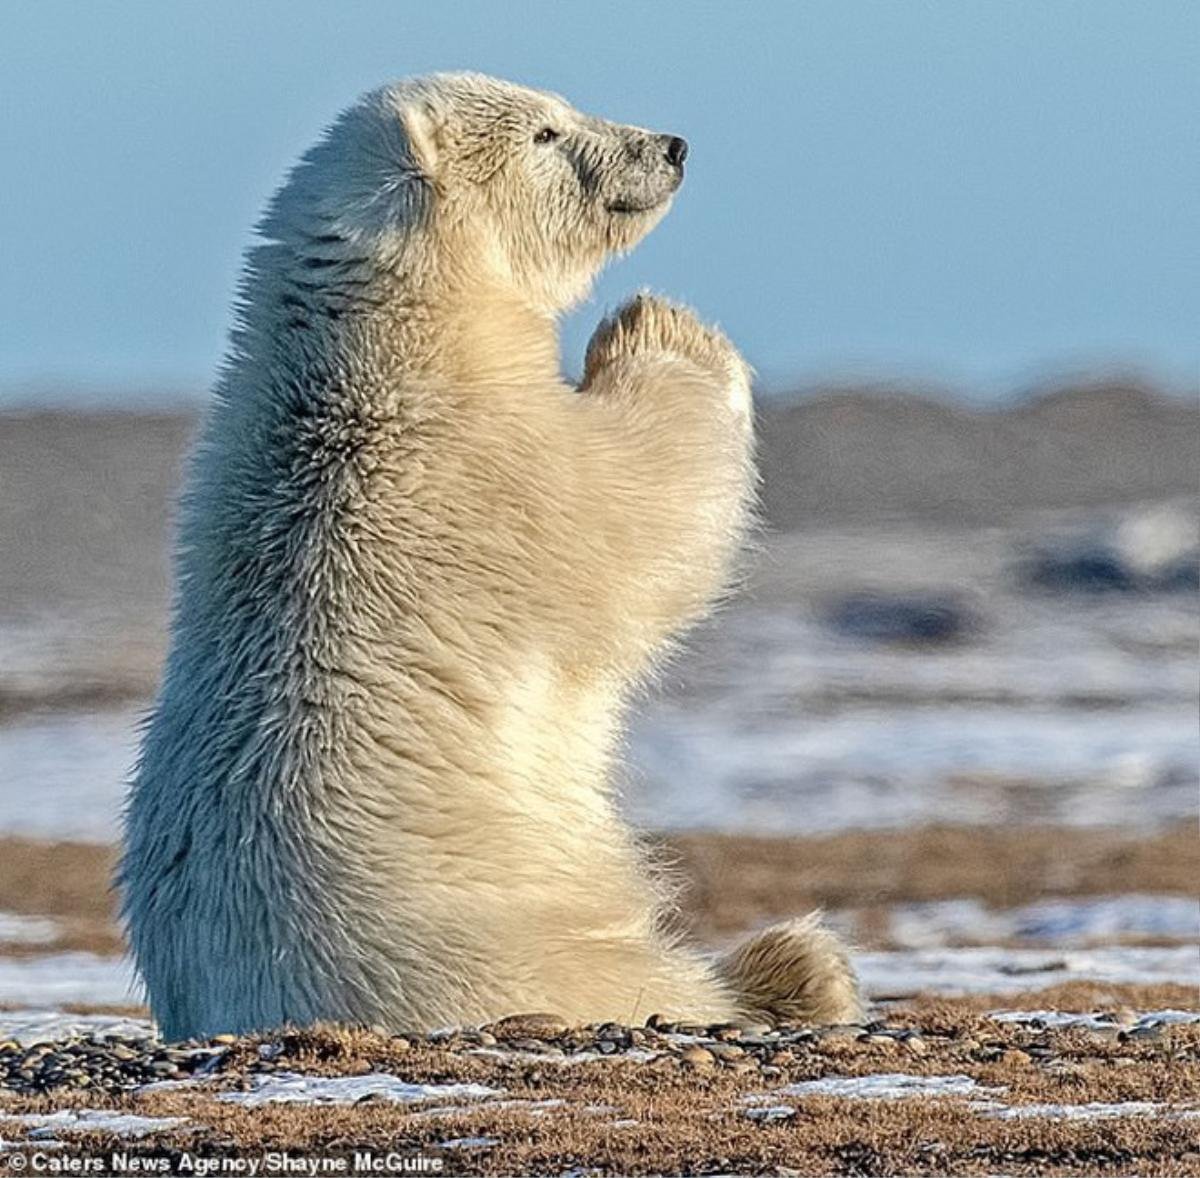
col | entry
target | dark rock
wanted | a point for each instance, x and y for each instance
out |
(1084, 570)
(1148, 550)
(1180, 576)
(917, 619)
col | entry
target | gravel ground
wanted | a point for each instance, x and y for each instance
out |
(936, 1088)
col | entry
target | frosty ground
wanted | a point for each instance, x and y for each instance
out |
(1010, 1033)
(935, 1087)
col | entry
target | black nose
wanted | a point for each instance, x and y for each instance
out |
(677, 150)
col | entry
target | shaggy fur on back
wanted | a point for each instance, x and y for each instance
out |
(418, 577)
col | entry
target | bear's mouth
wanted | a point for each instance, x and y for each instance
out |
(627, 207)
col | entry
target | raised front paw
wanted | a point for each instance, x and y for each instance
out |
(649, 326)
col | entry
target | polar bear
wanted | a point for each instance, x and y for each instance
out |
(418, 577)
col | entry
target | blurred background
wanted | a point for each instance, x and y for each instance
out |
(956, 702)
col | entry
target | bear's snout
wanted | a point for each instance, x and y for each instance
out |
(676, 150)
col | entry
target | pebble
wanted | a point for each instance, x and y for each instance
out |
(843, 1031)
(727, 1032)
(533, 1046)
(742, 1065)
(727, 1051)
(1146, 1033)
(757, 1030)
(108, 1065)
(122, 1063)
(528, 1026)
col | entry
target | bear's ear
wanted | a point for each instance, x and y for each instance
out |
(422, 132)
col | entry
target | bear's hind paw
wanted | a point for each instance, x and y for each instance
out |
(794, 972)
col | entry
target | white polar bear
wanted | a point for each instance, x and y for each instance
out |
(418, 576)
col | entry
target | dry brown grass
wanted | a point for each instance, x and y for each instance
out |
(696, 1133)
(734, 882)
(56, 879)
(738, 882)
(70, 882)
(1078, 997)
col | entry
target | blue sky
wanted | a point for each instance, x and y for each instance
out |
(979, 192)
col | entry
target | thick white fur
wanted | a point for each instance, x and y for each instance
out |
(418, 577)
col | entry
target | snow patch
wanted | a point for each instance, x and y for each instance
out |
(1062, 922)
(294, 1088)
(59, 978)
(883, 1086)
(1096, 1111)
(880, 1086)
(634, 1054)
(1094, 1022)
(722, 765)
(772, 1112)
(987, 970)
(27, 930)
(28, 1027)
(48, 1125)
(65, 775)
(1067, 921)
(536, 1108)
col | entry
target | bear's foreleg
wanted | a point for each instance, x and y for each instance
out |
(665, 406)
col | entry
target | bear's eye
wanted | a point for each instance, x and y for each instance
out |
(546, 135)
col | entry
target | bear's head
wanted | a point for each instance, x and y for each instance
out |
(468, 177)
